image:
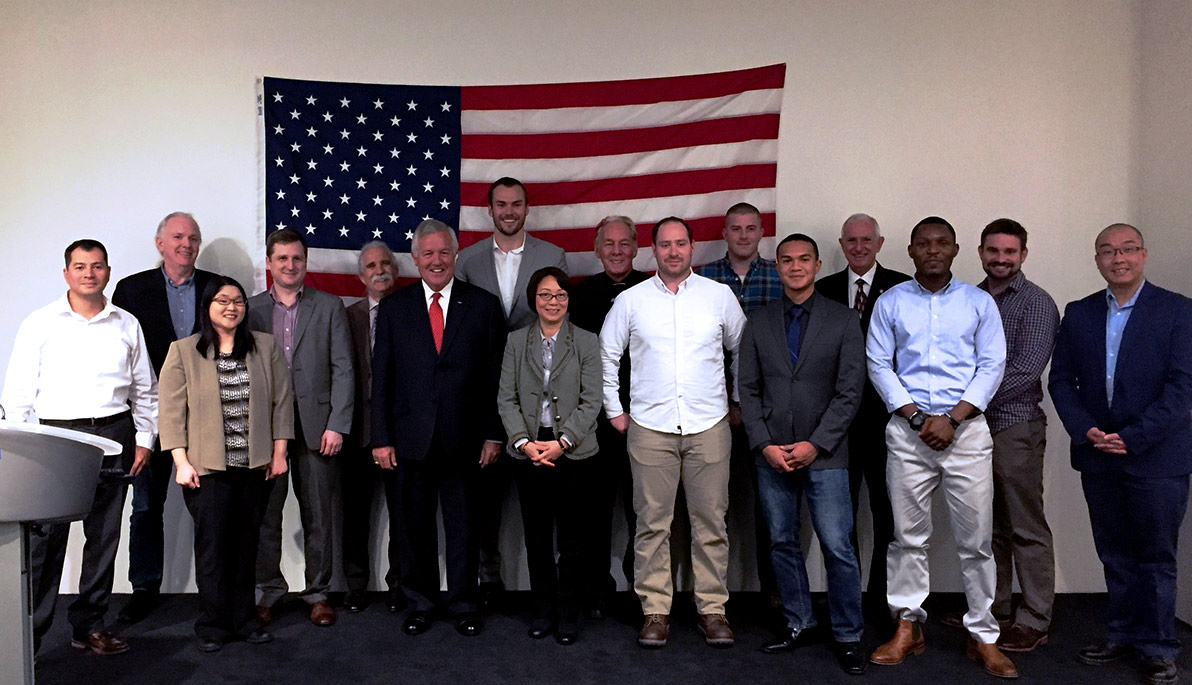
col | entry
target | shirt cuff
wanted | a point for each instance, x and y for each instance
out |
(517, 445)
(146, 440)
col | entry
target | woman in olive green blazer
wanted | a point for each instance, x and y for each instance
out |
(549, 414)
(226, 412)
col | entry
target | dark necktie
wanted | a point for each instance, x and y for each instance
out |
(436, 321)
(859, 301)
(793, 328)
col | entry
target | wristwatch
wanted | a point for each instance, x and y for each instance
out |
(954, 422)
(916, 420)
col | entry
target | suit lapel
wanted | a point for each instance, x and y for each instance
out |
(813, 326)
(777, 325)
(524, 269)
(455, 315)
(534, 352)
(306, 308)
(488, 270)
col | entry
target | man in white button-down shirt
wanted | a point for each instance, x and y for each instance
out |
(81, 363)
(677, 326)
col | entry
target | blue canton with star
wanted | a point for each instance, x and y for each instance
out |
(347, 163)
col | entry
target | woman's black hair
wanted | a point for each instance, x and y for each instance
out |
(242, 340)
(540, 275)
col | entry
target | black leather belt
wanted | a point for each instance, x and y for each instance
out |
(94, 423)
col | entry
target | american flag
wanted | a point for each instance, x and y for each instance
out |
(346, 163)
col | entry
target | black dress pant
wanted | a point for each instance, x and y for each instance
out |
(867, 461)
(556, 505)
(227, 508)
(360, 476)
(612, 478)
(425, 485)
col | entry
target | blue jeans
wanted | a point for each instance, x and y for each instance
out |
(831, 507)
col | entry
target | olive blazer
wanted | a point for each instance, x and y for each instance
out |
(575, 387)
(190, 413)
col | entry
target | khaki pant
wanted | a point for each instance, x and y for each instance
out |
(660, 461)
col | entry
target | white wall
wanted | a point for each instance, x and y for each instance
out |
(115, 113)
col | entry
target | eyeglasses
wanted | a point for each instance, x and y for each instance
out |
(1109, 252)
(547, 297)
(227, 302)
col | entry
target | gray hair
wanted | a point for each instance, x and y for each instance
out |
(161, 226)
(372, 244)
(858, 217)
(614, 219)
(429, 226)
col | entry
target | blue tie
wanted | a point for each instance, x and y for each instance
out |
(792, 332)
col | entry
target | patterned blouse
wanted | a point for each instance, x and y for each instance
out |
(233, 396)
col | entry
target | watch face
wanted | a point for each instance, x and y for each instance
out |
(917, 421)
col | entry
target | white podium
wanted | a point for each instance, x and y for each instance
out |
(47, 474)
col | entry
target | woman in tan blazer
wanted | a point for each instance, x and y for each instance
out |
(548, 400)
(225, 413)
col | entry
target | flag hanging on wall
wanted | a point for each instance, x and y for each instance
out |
(347, 163)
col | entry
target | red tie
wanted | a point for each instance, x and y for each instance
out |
(436, 321)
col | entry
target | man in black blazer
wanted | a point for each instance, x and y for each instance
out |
(165, 301)
(436, 368)
(1121, 380)
(802, 370)
(860, 241)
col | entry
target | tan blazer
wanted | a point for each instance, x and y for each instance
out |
(190, 413)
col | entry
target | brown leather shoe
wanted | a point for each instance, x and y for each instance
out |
(264, 614)
(1020, 638)
(321, 614)
(101, 642)
(991, 659)
(714, 628)
(908, 639)
(655, 631)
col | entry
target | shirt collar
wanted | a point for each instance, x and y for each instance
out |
(925, 291)
(1015, 283)
(657, 280)
(516, 250)
(65, 308)
(807, 306)
(273, 295)
(1112, 301)
(427, 293)
(169, 282)
(868, 276)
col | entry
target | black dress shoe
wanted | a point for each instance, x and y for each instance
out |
(850, 657)
(355, 601)
(208, 644)
(141, 604)
(259, 637)
(541, 627)
(469, 625)
(567, 632)
(417, 623)
(785, 641)
(1159, 670)
(395, 602)
(1104, 652)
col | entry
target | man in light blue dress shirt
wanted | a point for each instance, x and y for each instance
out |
(936, 354)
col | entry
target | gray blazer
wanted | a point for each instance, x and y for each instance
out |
(362, 358)
(191, 413)
(475, 265)
(814, 400)
(575, 387)
(321, 366)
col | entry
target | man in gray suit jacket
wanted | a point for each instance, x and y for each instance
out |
(808, 347)
(312, 329)
(502, 265)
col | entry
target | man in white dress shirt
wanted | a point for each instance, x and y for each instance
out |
(677, 326)
(81, 363)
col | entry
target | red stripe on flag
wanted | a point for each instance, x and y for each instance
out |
(695, 182)
(615, 93)
(581, 239)
(617, 142)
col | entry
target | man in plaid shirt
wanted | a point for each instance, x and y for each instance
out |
(1021, 537)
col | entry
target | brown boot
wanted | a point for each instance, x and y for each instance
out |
(908, 639)
(991, 659)
(714, 628)
(655, 631)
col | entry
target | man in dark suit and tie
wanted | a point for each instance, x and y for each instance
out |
(807, 347)
(1121, 380)
(436, 369)
(360, 476)
(312, 330)
(165, 301)
(502, 265)
(858, 287)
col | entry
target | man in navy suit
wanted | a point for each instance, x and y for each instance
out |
(165, 301)
(858, 286)
(1121, 380)
(436, 368)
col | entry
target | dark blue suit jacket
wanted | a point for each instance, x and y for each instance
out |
(417, 392)
(1152, 389)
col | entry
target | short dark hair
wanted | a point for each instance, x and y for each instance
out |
(538, 277)
(242, 340)
(933, 221)
(670, 220)
(283, 236)
(801, 237)
(86, 245)
(506, 182)
(1005, 227)
(741, 208)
